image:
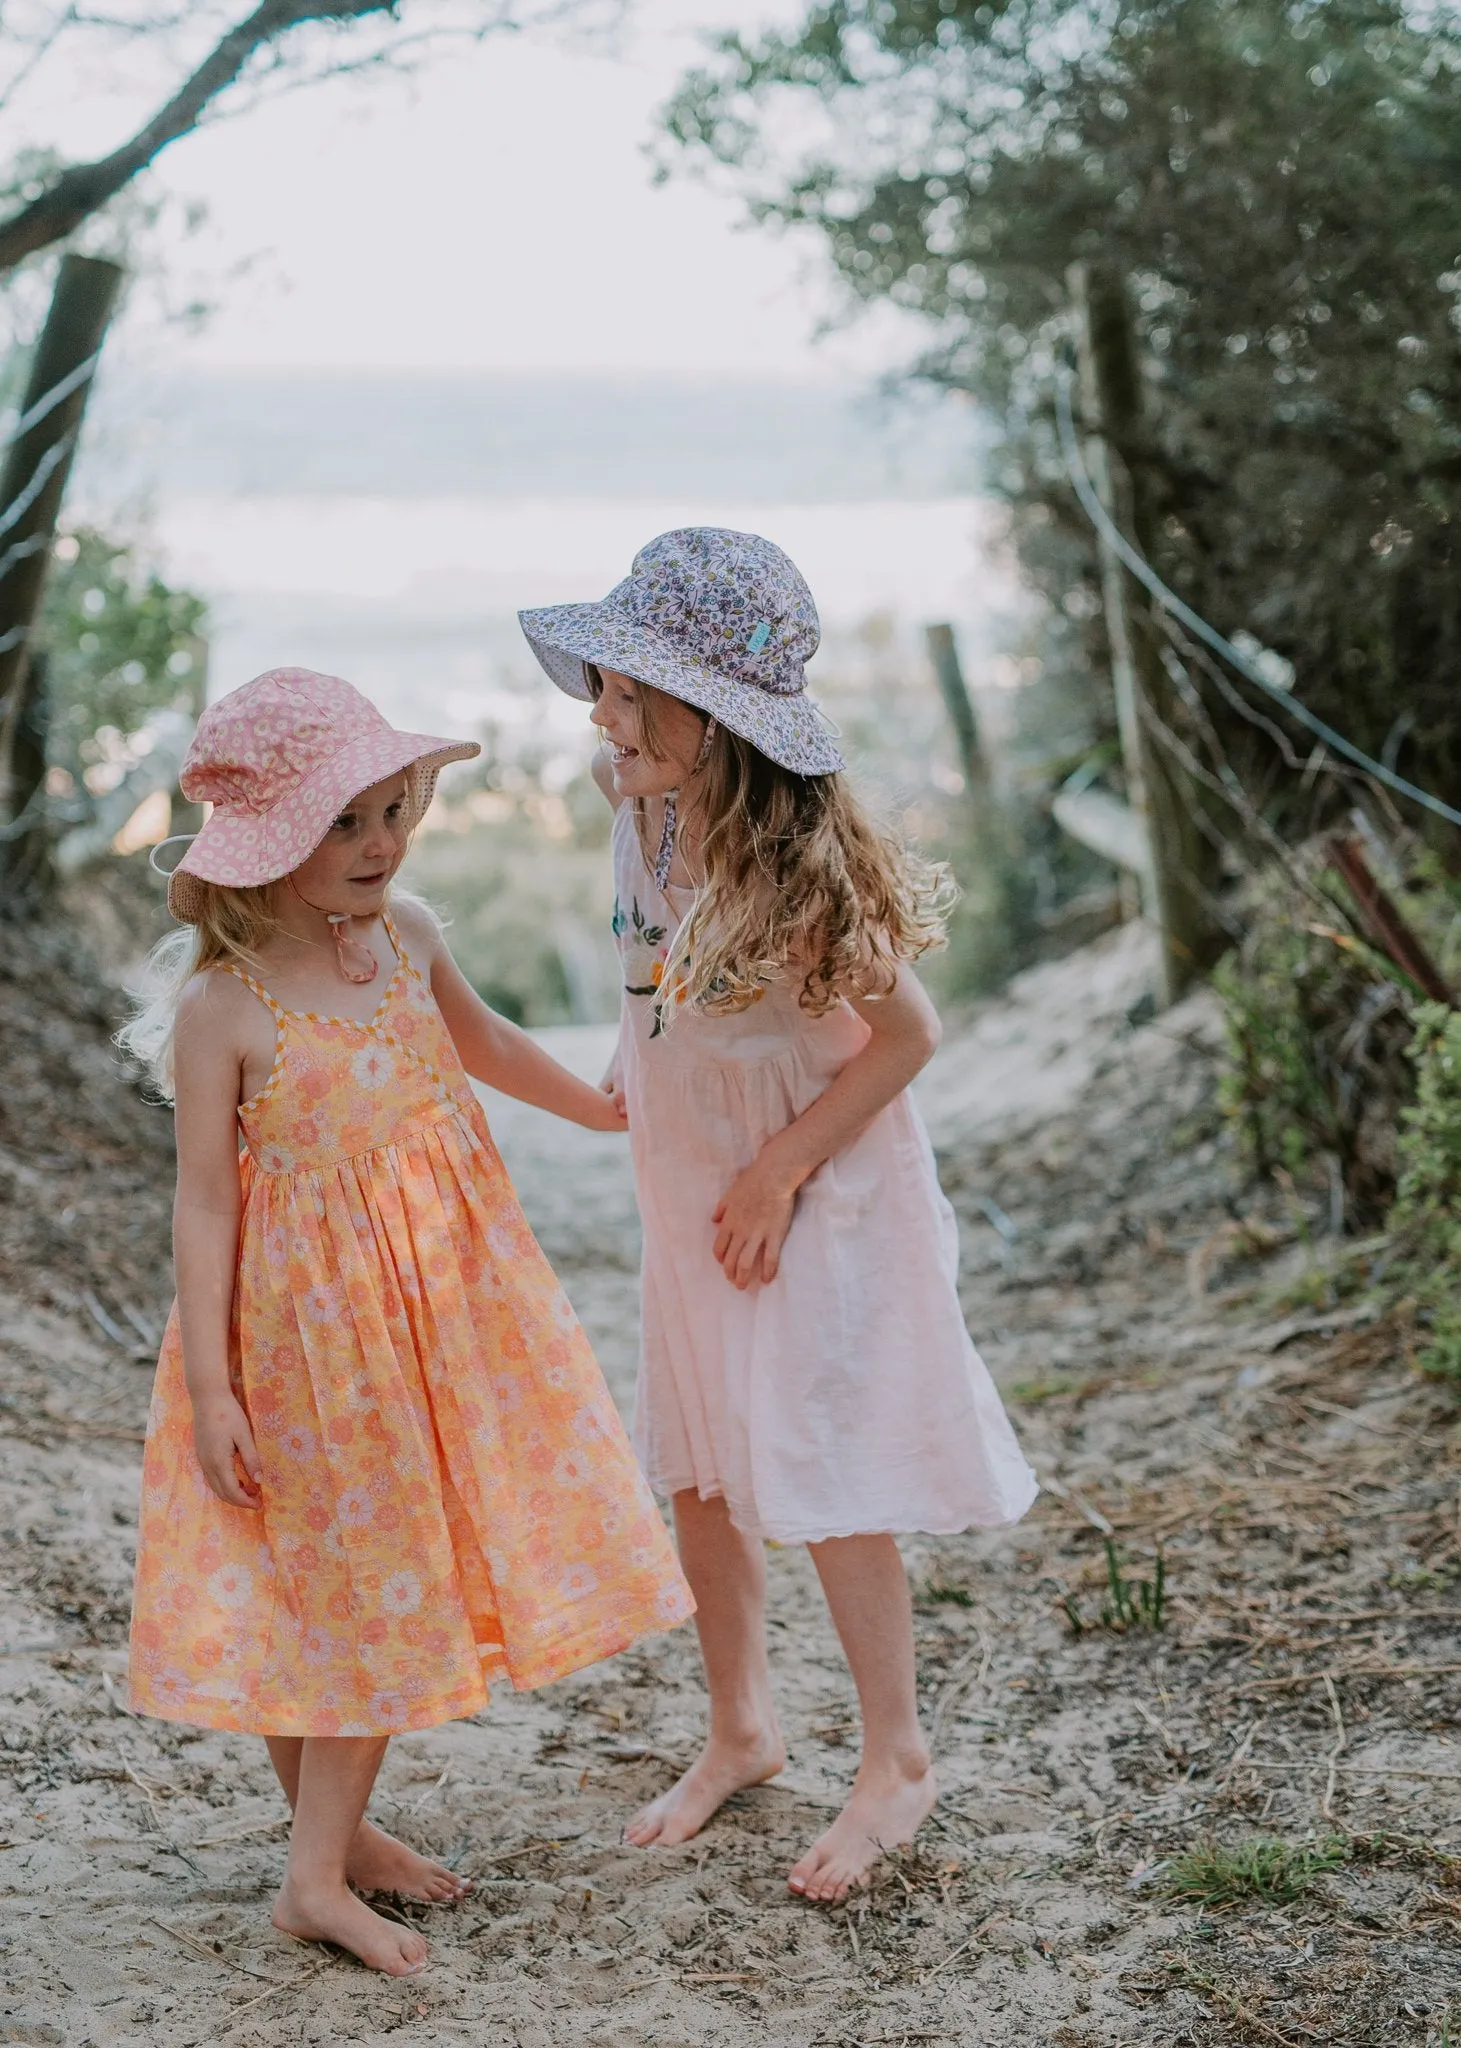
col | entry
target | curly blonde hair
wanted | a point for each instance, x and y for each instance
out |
(231, 925)
(797, 879)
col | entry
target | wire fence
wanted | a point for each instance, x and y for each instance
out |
(39, 804)
(1168, 599)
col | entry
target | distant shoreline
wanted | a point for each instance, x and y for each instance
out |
(168, 433)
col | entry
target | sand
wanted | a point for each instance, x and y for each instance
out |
(1178, 1375)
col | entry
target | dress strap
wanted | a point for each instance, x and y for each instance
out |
(402, 953)
(232, 967)
(395, 938)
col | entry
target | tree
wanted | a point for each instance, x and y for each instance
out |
(1275, 180)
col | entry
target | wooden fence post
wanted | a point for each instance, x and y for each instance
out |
(1180, 867)
(943, 653)
(33, 478)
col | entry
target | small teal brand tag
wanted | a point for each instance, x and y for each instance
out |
(759, 637)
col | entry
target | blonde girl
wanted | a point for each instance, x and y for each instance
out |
(382, 1467)
(805, 1375)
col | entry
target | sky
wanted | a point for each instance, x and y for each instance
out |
(495, 212)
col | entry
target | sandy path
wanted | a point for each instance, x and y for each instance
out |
(137, 1860)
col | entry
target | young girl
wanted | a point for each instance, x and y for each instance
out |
(806, 1375)
(382, 1466)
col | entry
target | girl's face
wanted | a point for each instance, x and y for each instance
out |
(678, 733)
(352, 867)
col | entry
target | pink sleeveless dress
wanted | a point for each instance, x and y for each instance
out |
(448, 1493)
(845, 1397)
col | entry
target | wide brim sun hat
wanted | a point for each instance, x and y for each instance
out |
(724, 621)
(279, 759)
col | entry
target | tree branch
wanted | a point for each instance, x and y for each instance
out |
(82, 189)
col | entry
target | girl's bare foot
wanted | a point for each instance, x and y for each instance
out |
(720, 1769)
(885, 1811)
(333, 1913)
(379, 1863)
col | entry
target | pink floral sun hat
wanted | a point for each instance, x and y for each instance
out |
(279, 759)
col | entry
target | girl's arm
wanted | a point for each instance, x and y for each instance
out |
(755, 1212)
(601, 768)
(497, 1052)
(208, 1061)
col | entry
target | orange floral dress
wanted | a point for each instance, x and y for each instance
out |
(448, 1493)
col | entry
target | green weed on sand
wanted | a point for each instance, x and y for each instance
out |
(1266, 1870)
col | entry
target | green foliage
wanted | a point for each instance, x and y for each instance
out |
(1317, 1026)
(1274, 178)
(1129, 1603)
(1426, 1219)
(1055, 1386)
(527, 893)
(1266, 1871)
(938, 1592)
(121, 643)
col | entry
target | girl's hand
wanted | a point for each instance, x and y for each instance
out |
(752, 1218)
(225, 1447)
(605, 1109)
(613, 1086)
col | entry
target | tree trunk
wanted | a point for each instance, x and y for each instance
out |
(33, 482)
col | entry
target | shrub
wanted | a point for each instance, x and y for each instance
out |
(1426, 1219)
(1318, 1022)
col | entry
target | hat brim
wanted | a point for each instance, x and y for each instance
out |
(787, 728)
(247, 850)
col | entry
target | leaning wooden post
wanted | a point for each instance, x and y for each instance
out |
(28, 866)
(1179, 865)
(33, 478)
(943, 653)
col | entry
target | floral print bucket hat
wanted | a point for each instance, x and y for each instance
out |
(279, 759)
(721, 620)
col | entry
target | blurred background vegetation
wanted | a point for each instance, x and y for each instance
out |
(1273, 181)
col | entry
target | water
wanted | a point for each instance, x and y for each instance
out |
(387, 528)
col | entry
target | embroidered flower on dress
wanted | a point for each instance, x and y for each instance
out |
(578, 1582)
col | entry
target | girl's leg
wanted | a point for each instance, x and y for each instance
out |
(377, 1862)
(315, 1902)
(727, 1574)
(894, 1790)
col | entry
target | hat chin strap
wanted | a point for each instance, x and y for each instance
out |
(664, 859)
(365, 966)
(175, 839)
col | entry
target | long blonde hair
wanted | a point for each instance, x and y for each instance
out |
(797, 877)
(232, 925)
